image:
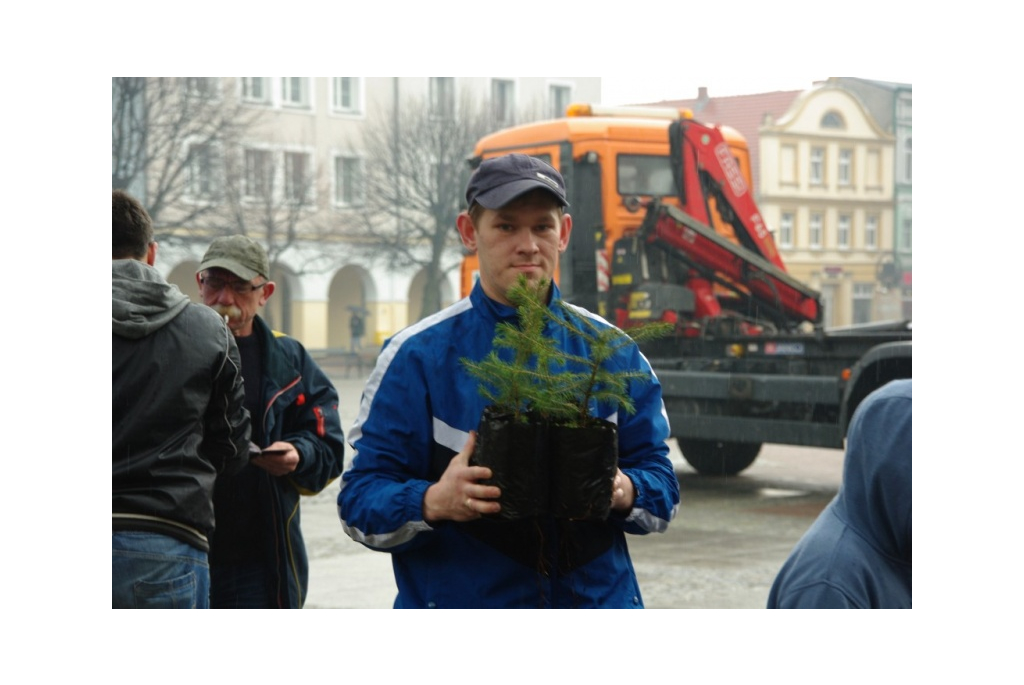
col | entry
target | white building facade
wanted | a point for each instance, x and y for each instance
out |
(305, 146)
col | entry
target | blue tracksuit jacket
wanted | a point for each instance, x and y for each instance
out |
(417, 409)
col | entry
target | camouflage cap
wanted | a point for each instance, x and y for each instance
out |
(238, 254)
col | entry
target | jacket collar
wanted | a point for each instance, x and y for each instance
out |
(496, 311)
(276, 366)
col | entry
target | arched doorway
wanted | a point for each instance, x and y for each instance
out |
(278, 312)
(416, 295)
(184, 276)
(352, 290)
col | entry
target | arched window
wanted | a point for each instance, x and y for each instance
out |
(832, 120)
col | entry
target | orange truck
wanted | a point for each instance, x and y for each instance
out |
(635, 138)
(665, 227)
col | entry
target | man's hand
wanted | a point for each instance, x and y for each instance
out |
(458, 496)
(623, 492)
(278, 459)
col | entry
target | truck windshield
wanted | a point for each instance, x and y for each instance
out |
(644, 175)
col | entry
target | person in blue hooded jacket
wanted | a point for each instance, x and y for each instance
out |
(857, 554)
(410, 490)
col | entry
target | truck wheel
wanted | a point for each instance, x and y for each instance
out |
(717, 458)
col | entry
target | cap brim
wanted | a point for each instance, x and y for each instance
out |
(243, 272)
(496, 198)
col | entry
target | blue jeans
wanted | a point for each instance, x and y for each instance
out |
(152, 571)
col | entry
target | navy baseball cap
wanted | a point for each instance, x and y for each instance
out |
(499, 180)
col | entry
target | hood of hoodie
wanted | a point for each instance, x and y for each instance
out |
(142, 300)
(875, 497)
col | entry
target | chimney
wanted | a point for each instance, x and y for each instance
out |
(702, 100)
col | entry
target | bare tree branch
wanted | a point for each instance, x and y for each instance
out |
(415, 176)
(155, 124)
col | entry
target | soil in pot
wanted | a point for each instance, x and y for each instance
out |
(515, 451)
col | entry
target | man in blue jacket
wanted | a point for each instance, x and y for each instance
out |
(257, 557)
(410, 489)
(857, 554)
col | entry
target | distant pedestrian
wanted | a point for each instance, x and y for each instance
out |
(357, 327)
(857, 554)
(179, 421)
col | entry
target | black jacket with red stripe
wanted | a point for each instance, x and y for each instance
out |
(300, 406)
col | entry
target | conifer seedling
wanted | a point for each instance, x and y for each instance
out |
(542, 380)
(594, 381)
(517, 386)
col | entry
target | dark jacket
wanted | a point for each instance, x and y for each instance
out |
(857, 554)
(300, 407)
(178, 406)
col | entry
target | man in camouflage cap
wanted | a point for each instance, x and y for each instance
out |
(257, 557)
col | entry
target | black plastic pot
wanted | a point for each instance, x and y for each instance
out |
(516, 454)
(563, 471)
(583, 462)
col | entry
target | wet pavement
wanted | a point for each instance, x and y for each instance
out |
(725, 546)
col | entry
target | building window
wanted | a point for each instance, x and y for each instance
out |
(907, 161)
(815, 232)
(503, 102)
(786, 230)
(843, 234)
(817, 175)
(832, 120)
(259, 174)
(871, 233)
(442, 96)
(873, 176)
(348, 181)
(787, 165)
(863, 293)
(560, 98)
(644, 175)
(345, 94)
(297, 177)
(906, 239)
(256, 89)
(202, 171)
(905, 109)
(295, 91)
(200, 87)
(845, 174)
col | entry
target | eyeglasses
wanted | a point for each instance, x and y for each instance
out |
(240, 287)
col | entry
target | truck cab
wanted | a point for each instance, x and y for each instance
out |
(614, 161)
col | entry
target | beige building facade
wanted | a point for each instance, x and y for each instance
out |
(827, 192)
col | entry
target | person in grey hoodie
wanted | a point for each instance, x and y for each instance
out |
(178, 421)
